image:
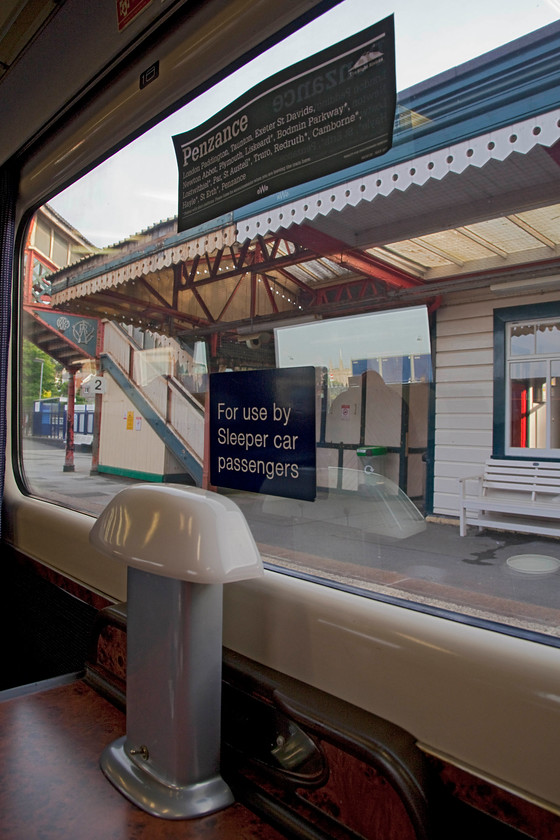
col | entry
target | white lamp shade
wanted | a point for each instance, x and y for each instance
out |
(179, 532)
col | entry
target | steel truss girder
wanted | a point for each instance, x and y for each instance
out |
(255, 257)
(277, 253)
(249, 260)
(352, 259)
(143, 309)
(358, 291)
(268, 259)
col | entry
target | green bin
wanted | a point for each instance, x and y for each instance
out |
(372, 458)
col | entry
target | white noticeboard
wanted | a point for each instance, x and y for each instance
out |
(400, 332)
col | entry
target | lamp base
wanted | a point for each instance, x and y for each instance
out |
(172, 802)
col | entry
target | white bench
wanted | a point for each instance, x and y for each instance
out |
(512, 495)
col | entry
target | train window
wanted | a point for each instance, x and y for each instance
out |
(413, 283)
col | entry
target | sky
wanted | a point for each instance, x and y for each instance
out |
(431, 37)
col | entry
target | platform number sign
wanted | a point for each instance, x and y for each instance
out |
(93, 386)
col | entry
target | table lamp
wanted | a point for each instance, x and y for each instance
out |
(180, 544)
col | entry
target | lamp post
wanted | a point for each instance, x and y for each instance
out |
(42, 363)
(181, 544)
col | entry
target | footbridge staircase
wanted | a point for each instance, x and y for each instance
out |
(149, 379)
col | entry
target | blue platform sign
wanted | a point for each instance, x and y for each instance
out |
(262, 431)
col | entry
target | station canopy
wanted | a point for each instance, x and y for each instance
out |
(468, 197)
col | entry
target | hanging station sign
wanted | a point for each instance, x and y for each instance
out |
(323, 114)
(262, 431)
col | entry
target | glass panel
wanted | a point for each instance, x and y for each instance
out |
(548, 338)
(522, 340)
(348, 348)
(555, 404)
(528, 403)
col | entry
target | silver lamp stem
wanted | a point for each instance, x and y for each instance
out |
(169, 761)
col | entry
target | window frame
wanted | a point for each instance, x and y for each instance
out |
(503, 318)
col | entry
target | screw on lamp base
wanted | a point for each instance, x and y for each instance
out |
(145, 790)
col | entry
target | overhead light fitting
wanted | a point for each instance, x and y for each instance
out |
(531, 284)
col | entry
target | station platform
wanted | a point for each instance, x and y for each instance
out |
(426, 562)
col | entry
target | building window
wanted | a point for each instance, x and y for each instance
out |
(43, 237)
(59, 249)
(527, 395)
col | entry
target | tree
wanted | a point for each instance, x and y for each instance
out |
(38, 375)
